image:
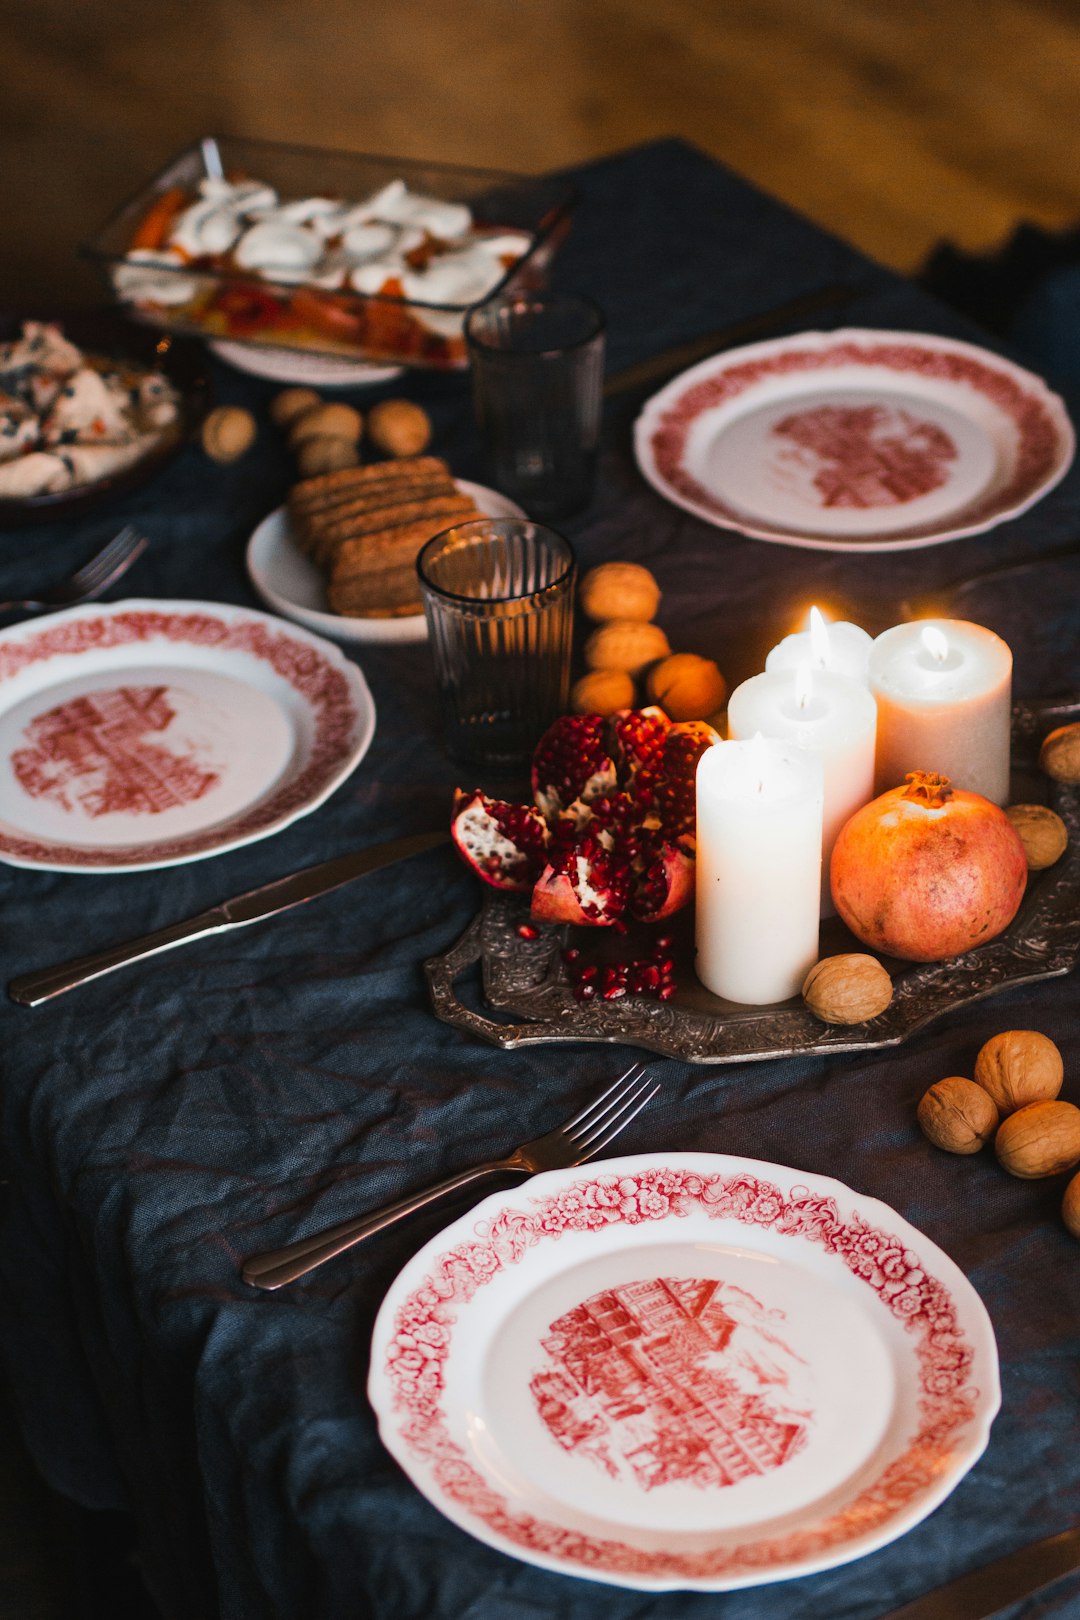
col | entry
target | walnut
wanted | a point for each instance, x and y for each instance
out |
(602, 691)
(957, 1115)
(397, 427)
(1059, 755)
(1040, 1140)
(326, 422)
(847, 989)
(626, 644)
(1018, 1067)
(687, 687)
(1042, 833)
(619, 590)
(1070, 1206)
(227, 432)
(292, 402)
(324, 455)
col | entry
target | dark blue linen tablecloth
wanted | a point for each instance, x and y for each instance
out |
(163, 1123)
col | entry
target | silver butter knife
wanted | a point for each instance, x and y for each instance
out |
(986, 1591)
(30, 989)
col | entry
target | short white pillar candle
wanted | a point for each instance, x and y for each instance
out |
(830, 716)
(944, 697)
(758, 869)
(842, 648)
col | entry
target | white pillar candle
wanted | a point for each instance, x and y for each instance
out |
(830, 716)
(944, 697)
(842, 648)
(758, 869)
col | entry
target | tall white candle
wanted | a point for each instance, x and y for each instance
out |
(842, 648)
(944, 697)
(758, 869)
(830, 716)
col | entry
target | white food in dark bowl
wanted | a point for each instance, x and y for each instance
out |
(67, 421)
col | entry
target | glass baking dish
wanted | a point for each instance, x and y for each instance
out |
(413, 315)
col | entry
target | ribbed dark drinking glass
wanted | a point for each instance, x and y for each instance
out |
(538, 372)
(498, 594)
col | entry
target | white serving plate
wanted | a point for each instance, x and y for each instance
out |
(278, 363)
(684, 1370)
(290, 583)
(149, 733)
(855, 440)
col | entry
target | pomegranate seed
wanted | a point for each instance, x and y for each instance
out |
(614, 991)
(527, 931)
(570, 955)
(585, 992)
(588, 972)
(666, 967)
(662, 945)
(666, 991)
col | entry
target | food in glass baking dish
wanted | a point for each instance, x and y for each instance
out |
(244, 262)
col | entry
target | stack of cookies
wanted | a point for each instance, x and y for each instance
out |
(364, 527)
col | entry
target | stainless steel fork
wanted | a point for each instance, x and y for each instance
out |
(579, 1139)
(91, 579)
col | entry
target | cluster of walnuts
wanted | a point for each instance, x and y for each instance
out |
(325, 437)
(1013, 1098)
(621, 599)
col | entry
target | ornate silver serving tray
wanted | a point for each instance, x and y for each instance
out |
(526, 998)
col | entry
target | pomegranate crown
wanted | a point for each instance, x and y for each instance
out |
(927, 787)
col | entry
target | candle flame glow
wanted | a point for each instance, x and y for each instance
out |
(819, 639)
(804, 686)
(936, 642)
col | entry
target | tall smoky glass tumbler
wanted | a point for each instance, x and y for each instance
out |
(538, 373)
(498, 595)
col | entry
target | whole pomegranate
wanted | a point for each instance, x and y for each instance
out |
(610, 834)
(926, 871)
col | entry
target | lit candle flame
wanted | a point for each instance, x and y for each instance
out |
(935, 642)
(804, 686)
(819, 640)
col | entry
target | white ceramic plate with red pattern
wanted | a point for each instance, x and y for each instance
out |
(684, 1370)
(290, 583)
(143, 734)
(855, 440)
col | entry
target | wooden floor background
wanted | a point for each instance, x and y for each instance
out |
(896, 125)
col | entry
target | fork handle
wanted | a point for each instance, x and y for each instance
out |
(280, 1266)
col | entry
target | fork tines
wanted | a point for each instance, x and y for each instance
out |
(601, 1121)
(95, 575)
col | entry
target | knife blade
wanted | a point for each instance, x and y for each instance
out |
(30, 989)
(986, 1591)
(670, 361)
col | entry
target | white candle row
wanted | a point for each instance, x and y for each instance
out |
(931, 695)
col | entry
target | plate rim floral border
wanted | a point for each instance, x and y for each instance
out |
(414, 1330)
(342, 706)
(662, 404)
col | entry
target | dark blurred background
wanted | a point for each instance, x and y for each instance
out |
(895, 125)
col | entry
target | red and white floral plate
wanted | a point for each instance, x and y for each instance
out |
(684, 1370)
(143, 734)
(855, 440)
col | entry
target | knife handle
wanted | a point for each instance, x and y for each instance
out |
(30, 989)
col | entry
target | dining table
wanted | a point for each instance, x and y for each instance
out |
(163, 1123)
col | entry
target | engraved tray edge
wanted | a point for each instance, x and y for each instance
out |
(523, 978)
